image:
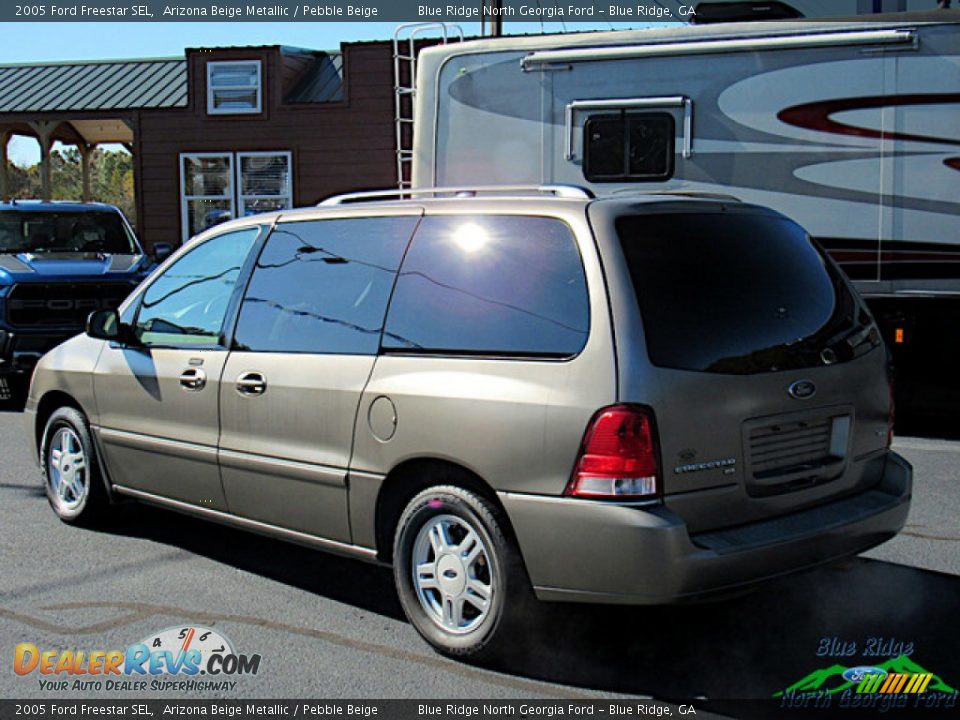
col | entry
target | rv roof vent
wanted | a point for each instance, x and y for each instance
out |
(721, 12)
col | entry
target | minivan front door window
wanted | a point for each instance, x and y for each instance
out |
(187, 303)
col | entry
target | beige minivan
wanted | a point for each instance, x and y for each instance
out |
(507, 395)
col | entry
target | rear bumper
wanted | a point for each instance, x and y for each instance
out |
(585, 551)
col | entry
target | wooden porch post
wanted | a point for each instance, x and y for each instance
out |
(4, 178)
(86, 150)
(44, 131)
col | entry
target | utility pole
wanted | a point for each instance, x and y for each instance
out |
(491, 18)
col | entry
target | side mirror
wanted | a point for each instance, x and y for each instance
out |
(106, 325)
(161, 251)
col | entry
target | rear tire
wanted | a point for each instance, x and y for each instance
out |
(459, 574)
(69, 467)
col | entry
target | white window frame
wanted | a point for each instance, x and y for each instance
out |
(213, 65)
(237, 200)
(184, 198)
(238, 165)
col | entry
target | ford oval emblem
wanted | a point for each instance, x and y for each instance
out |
(857, 674)
(802, 390)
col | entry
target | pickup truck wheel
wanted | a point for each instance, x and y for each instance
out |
(69, 466)
(459, 576)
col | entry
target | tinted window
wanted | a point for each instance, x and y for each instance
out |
(628, 146)
(735, 292)
(187, 303)
(323, 286)
(490, 285)
(58, 232)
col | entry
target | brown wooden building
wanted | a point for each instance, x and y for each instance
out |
(225, 133)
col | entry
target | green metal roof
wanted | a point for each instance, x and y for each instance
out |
(111, 85)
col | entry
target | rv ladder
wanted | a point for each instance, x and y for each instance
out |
(404, 86)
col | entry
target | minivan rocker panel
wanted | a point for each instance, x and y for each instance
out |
(640, 399)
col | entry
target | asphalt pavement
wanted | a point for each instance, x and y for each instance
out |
(327, 627)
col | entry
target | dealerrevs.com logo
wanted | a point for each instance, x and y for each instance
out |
(176, 659)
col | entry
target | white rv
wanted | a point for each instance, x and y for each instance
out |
(852, 128)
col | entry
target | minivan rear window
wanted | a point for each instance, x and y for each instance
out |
(736, 292)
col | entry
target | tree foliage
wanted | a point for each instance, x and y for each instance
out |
(111, 178)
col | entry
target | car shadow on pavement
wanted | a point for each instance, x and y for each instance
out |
(320, 573)
(748, 647)
(760, 643)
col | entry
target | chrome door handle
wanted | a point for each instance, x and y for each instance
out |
(193, 379)
(251, 383)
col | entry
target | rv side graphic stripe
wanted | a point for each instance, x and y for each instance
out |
(897, 259)
(849, 256)
(816, 115)
(852, 243)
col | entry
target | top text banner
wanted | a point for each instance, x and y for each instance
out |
(640, 11)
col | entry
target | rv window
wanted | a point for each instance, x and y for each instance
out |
(631, 147)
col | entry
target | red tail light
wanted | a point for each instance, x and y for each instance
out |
(618, 456)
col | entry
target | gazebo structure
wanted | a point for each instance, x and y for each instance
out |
(84, 104)
(218, 133)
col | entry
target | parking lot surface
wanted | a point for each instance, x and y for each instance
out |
(332, 628)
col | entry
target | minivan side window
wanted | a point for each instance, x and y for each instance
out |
(490, 285)
(187, 303)
(322, 286)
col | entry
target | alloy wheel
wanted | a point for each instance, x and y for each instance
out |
(451, 574)
(67, 469)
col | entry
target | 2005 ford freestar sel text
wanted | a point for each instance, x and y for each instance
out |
(508, 395)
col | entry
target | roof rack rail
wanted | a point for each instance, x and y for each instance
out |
(560, 191)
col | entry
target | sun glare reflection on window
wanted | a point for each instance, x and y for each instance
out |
(471, 238)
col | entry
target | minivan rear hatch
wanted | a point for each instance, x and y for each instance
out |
(762, 367)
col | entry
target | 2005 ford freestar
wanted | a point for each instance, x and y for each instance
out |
(508, 396)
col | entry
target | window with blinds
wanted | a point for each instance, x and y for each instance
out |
(216, 187)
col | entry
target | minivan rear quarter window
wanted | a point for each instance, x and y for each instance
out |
(735, 292)
(490, 285)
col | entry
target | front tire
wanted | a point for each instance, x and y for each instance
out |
(458, 573)
(69, 466)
